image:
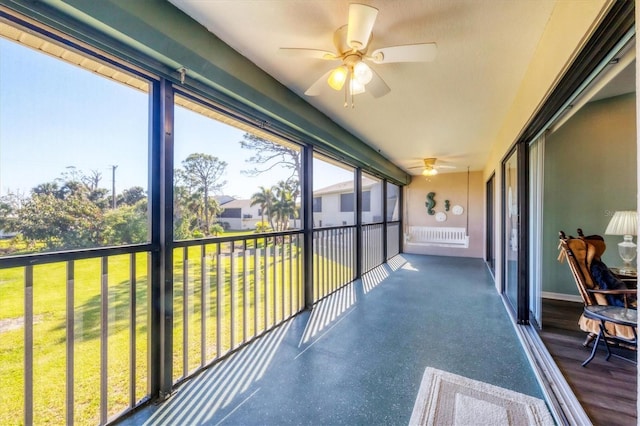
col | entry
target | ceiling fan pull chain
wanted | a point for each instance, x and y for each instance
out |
(346, 103)
(351, 90)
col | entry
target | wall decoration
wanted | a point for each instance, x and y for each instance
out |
(441, 216)
(458, 210)
(446, 205)
(431, 203)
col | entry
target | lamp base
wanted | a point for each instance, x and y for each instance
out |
(627, 250)
(630, 271)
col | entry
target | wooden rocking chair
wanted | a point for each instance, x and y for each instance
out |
(580, 253)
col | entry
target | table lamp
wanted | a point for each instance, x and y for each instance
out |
(625, 223)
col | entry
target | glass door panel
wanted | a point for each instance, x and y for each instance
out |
(511, 226)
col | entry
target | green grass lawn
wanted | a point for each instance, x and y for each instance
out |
(50, 337)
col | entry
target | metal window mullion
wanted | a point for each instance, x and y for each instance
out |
(160, 175)
(104, 338)
(70, 342)
(132, 329)
(309, 285)
(28, 345)
(358, 203)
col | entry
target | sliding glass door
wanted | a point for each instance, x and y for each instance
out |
(511, 222)
(490, 255)
(536, 183)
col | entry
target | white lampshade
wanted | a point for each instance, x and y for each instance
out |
(623, 223)
(430, 172)
(338, 77)
(362, 73)
(356, 87)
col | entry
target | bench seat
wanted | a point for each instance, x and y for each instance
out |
(437, 236)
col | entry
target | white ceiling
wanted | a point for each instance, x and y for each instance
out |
(451, 108)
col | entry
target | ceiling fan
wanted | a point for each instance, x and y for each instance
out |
(431, 166)
(352, 42)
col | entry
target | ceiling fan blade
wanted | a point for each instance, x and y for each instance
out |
(422, 52)
(361, 20)
(320, 84)
(377, 87)
(307, 53)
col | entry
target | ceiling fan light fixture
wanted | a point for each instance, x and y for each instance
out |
(362, 73)
(356, 87)
(338, 77)
(429, 172)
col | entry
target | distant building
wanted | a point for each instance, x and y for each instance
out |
(240, 215)
(334, 205)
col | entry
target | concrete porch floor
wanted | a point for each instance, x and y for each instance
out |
(359, 356)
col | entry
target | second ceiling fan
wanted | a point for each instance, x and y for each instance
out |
(352, 42)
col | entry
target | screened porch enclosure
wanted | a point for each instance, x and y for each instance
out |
(121, 275)
(98, 345)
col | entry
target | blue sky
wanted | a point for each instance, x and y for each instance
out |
(54, 116)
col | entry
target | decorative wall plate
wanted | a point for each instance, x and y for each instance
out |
(441, 216)
(457, 210)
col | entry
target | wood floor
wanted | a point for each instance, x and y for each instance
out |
(607, 390)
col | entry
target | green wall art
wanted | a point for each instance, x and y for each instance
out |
(431, 203)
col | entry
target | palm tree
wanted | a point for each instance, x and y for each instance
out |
(284, 206)
(264, 198)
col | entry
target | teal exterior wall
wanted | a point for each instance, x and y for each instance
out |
(590, 172)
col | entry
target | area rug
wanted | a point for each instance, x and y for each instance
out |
(448, 399)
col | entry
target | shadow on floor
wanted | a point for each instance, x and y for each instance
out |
(359, 356)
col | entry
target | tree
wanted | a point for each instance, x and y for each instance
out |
(73, 222)
(264, 198)
(201, 175)
(284, 206)
(10, 204)
(127, 224)
(267, 155)
(49, 188)
(132, 196)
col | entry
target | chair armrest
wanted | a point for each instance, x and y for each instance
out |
(624, 292)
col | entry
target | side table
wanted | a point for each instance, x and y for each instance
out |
(615, 315)
(629, 278)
